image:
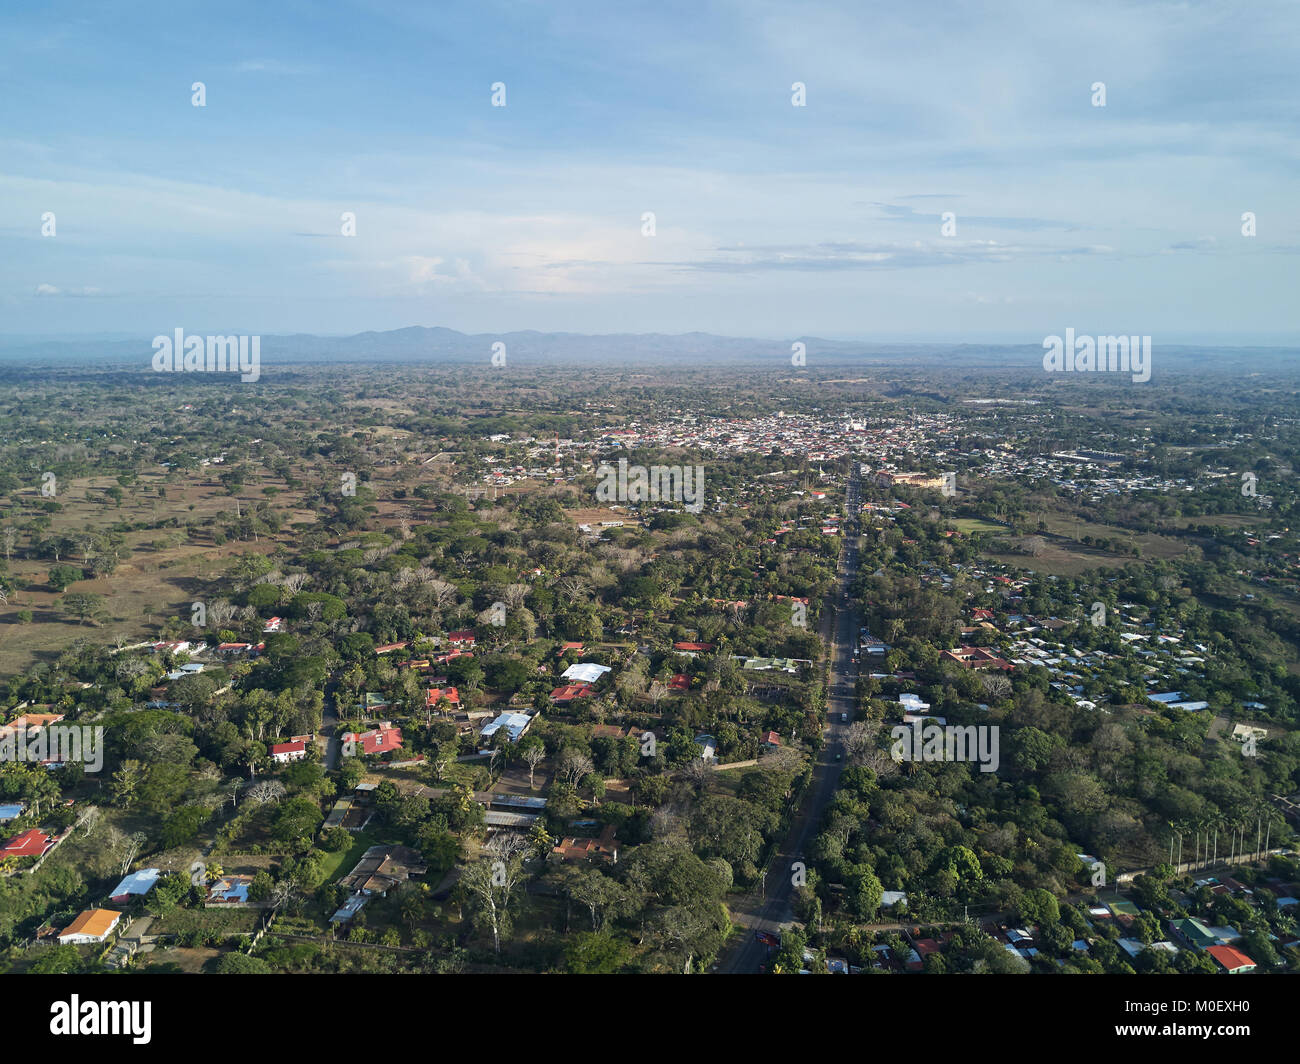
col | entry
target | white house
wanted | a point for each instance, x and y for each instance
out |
(515, 725)
(94, 925)
(585, 672)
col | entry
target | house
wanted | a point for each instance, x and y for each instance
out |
(1175, 700)
(136, 885)
(381, 740)
(566, 647)
(515, 725)
(789, 665)
(976, 658)
(692, 648)
(93, 925)
(229, 890)
(679, 682)
(461, 640)
(1131, 946)
(383, 867)
(925, 946)
(708, 746)
(604, 847)
(30, 843)
(435, 695)
(349, 909)
(771, 739)
(275, 624)
(1224, 936)
(1192, 933)
(584, 672)
(1242, 732)
(29, 724)
(283, 753)
(193, 669)
(240, 650)
(562, 696)
(1232, 961)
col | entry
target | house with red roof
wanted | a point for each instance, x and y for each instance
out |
(1232, 961)
(693, 648)
(602, 848)
(680, 682)
(30, 723)
(771, 739)
(381, 740)
(976, 658)
(283, 753)
(461, 639)
(240, 650)
(436, 694)
(566, 647)
(30, 843)
(562, 696)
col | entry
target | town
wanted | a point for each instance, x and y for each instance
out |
(427, 698)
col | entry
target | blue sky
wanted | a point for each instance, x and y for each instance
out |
(771, 220)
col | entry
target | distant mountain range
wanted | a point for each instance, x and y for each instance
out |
(417, 344)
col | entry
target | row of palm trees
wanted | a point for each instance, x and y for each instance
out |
(1222, 836)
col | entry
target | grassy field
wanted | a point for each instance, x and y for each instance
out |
(338, 864)
(1066, 555)
(220, 921)
(161, 570)
(977, 524)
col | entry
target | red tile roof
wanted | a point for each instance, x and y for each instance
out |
(377, 741)
(1230, 958)
(570, 691)
(31, 843)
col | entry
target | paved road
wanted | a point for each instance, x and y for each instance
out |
(841, 624)
(329, 722)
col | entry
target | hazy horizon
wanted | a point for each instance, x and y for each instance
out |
(932, 174)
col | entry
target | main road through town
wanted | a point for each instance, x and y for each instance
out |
(840, 623)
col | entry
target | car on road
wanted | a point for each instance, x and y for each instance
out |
(839, 756)
(844, 717)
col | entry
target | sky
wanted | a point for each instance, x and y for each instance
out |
(770, 219)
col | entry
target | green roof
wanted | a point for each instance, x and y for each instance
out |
(1195, 932)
